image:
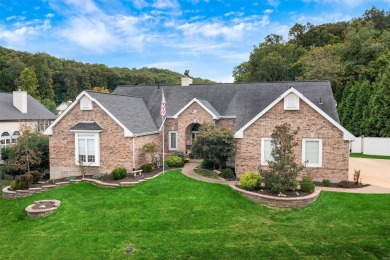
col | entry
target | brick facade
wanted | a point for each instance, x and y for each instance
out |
(335, 151)
(115, 149)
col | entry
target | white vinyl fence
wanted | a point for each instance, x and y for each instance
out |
(371, 145)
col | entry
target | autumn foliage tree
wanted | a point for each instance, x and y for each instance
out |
(214, 143)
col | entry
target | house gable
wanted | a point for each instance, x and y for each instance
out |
(347, 134)
(49, 130)
(204, 104)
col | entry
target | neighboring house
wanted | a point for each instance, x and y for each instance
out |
(61, 108)
(19, 111)
(104, 131)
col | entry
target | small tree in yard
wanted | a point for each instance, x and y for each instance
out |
(152, 149)
(23, 157)
(214, 143)
(282, 171)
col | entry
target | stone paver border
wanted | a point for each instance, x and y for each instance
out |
(42, 211)
(13, 194)
(188, 170)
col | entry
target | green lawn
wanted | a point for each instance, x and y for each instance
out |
(205, 173)
(360, 155)
(175, 217)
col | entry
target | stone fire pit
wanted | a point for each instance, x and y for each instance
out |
(42, 208)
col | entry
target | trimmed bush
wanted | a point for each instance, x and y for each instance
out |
(180, 154)
(24, 181)
(227, 173)
(174, 161)
(326, 182)
(250, 181)
(118, 173)
(14, 185)
(147, 167)
(207, 164)
(307, 184)
(36, 176)
(346, 184)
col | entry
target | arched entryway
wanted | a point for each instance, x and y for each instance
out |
(191, 132)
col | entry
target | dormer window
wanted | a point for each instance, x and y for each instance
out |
(291, 102)
(85, 103)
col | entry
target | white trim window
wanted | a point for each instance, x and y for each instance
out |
(291, 102)
(312, 152)
(173, 140)
(85, 103)
(266, 149)
(87, 149)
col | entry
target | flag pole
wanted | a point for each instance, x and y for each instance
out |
(163, 113)
(163, 144)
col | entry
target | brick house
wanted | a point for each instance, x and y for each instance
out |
(104, 131)
(19, 111)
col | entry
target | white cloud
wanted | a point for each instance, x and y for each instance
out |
(165, 4)
(338, 2)
(140, 4)
(17, 33)
(273, 3)
(320, 19)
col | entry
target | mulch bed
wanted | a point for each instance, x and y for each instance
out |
(47, 204)
(346, 185)
(289, 194)
(107, 178)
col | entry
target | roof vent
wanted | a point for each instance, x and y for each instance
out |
(321, 101)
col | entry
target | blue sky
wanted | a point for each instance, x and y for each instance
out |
(208, 37)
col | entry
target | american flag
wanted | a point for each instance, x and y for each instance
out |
(163, 110)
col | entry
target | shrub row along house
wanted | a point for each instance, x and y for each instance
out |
(104, 131)
(19, 111)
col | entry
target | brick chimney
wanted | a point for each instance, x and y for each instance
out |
(186, 80)
(20, 100)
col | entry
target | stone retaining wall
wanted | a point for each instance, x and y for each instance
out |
(11, 194)
(280, 202)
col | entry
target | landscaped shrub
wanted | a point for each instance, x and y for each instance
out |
(207, 164)
(307, 184)
(346, 184)
(24, 181)
(227, 173)
(180, 154)
(14, 185)
(326, 182)
(118, 173)
(174, 161)
(36, 176)
(147, 167)
(250, 181)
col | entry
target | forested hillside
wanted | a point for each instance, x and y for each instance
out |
(49, 79)
(354, 56)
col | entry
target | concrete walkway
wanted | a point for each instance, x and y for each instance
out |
(189, 167)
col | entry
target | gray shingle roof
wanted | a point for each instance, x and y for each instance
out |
(86, 127)
(244, 100)
(129, 110)
(35, 110)
(209, 106)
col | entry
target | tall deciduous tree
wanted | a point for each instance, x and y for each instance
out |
(28, 82)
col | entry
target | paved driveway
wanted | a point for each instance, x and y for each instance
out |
(372, 171)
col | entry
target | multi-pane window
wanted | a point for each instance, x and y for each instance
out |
(172, 140)
(266, 149)
(15, 137)
(87, 149)
(312, 152)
